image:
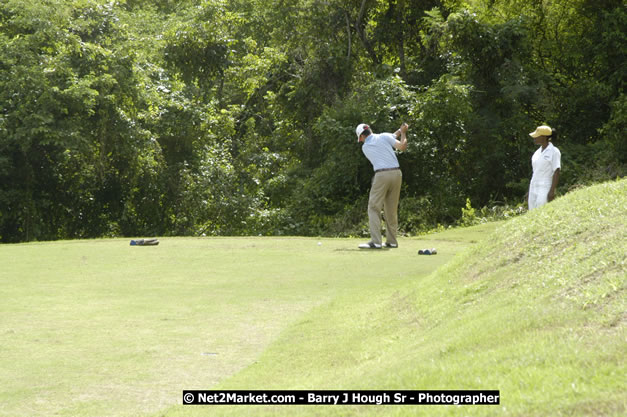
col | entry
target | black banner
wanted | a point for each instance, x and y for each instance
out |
(366, 397)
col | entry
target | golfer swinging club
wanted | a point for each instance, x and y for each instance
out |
(386, 183)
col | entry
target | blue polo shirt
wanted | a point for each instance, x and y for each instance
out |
(379, 149)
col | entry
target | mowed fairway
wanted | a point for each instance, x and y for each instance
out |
(91, 328)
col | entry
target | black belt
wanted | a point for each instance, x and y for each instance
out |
(386, 169)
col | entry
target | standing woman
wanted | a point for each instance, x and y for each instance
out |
(546, 163)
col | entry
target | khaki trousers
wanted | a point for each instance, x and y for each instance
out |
(384, 194)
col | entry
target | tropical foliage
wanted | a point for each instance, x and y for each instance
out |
(125, 118)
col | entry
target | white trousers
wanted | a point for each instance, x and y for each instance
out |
(538, 195)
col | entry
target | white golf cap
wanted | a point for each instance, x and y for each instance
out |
(359, 130)
(541, 131)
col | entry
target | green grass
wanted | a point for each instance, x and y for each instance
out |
(536, 310)
(92, 328)
(533, 307)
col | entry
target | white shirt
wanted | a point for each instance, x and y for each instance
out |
(379, 149)
(544, 163)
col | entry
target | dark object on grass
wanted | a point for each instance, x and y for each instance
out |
(427, 251)
(145, 242)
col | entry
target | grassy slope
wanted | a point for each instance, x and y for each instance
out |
(93, 328)
(536, 311)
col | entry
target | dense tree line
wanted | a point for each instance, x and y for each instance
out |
(126, 118)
